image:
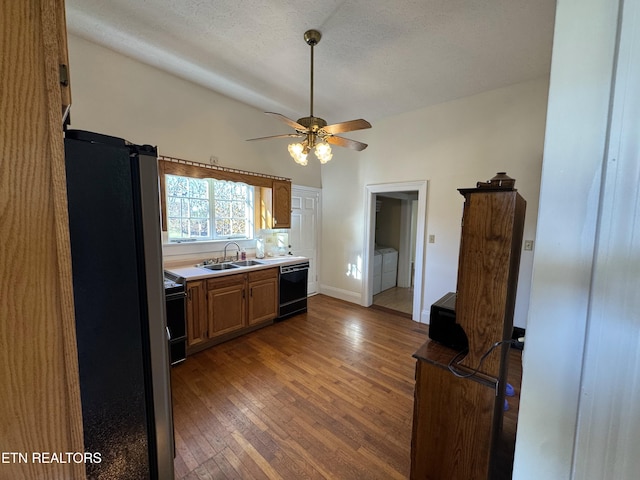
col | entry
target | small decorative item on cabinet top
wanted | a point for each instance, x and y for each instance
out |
(501, 180)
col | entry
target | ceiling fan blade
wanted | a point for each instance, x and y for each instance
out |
(284, 135)
(345, 142)
(349, 126)
(288, 121)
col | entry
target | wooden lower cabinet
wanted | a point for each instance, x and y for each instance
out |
(197, 317)
(219, 309)
(226, 301)
(263, 296)
(456, 420)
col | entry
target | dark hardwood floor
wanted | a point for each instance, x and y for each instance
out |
(324, 395)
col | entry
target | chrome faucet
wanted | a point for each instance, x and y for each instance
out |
(224, 254)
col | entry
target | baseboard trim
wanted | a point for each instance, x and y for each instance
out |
(346, 295)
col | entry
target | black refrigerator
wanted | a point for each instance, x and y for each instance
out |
(116, 253)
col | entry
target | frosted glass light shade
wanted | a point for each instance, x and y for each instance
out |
(323, 152)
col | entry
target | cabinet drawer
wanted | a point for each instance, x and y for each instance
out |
(263, 274)
(226, 281)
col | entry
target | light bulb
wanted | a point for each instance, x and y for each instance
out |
(297, 152)
(323, 152)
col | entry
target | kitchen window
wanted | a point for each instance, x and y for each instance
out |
(208, 209)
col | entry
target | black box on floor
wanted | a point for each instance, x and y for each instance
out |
(442, 324)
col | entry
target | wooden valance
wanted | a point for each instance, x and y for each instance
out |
(187, 168)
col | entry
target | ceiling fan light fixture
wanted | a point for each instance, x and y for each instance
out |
(314, 130)
(299, 153)
(323, 152)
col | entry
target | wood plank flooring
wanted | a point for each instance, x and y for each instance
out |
(396, 298)
(323, 395)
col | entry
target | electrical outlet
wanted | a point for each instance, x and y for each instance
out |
(528, 245)
(432, 239)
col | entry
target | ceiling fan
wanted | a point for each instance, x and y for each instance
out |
(314, 130)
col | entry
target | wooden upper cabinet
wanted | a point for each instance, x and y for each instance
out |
(273, 205)
(281, 204)
(492, 229)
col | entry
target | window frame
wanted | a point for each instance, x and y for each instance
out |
(213, 198)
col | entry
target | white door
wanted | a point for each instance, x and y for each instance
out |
(305, 215)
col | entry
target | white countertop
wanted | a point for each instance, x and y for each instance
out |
(191, 272)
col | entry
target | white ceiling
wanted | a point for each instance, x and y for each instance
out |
(376, 57)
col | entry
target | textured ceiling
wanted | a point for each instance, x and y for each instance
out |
(376, 57)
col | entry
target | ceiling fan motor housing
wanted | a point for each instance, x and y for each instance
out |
(312, 123)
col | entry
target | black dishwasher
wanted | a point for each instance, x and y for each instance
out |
(293, 289)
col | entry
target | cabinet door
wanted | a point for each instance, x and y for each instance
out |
(226, 299)
(263, 208)
(37, 331)
(453, 425)
(263, 296)
(196, 313)
(281, 204)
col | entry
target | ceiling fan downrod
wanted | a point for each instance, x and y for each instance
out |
(312, 37)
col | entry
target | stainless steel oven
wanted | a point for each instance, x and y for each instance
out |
(175, 298)
(293, 289)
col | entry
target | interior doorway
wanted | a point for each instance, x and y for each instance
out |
(396, 255)
(394, 251)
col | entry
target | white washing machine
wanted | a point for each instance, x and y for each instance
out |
(377, 272)
(389, 267)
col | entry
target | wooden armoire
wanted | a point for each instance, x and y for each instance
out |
(457, 418)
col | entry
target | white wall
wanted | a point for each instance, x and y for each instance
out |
(563, 292)
(115, 95)
(452, 145)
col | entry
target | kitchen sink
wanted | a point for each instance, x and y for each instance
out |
(246, 263)
(221, 266)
